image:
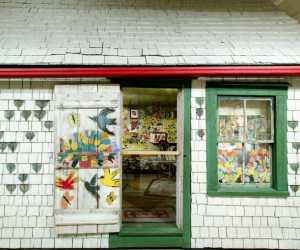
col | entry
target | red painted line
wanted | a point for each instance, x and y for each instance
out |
(126, 72)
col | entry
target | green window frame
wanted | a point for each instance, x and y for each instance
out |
(279, 185)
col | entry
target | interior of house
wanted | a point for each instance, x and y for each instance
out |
(149, 179)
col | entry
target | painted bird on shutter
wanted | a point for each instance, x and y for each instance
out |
(102, 120)
(91, 187)
(107, 179)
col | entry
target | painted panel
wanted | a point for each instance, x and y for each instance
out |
(87, 163)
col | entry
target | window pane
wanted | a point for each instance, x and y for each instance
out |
(257, 158)
(230, 163)
(258, 120)
(231, 120)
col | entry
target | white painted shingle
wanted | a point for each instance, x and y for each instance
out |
(234, 30)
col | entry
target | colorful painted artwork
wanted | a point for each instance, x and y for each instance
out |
(110, 198)
(258, 128)
(102, 120)
(229, 169)
(89, 148)
(135, 125)
(65, 200)
(172, 135)
(257, 164)
(231, 127)
(107, 179)
(74, 119)
(68, 183)
(150, 121)
(91, 187)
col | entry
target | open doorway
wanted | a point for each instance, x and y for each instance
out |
(151, 155)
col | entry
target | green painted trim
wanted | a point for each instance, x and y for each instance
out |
(280, 149)
(211, 139)
(186, 241)
(245, 91)
(248, 85)
(162, 234)
(144, 242)
(150, 229)
(248, 192)
(280, 186)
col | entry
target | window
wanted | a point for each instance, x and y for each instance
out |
(246, 140)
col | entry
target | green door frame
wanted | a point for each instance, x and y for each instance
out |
(147, 235)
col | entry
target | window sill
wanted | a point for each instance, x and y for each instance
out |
(247, 192)
(150, 229)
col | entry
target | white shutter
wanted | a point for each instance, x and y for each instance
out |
(87, 196)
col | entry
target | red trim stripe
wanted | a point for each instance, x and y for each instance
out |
(126, 72)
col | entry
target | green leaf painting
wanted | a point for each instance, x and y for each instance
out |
(201, 133)
(200, 100)
(3, 146)
(26, 114)
(41, 103)
(30, 135)
(294, 167)
(199, 112)
(9, 114)
(294, 188)
(24, 188)
(292, 124)
(39, 114)
(18, 103)
(12, 146)
(10, 167)
(36, 167)
(10, 188)
(1, 134)
(296, 145)
(23, 177)
(48, 124)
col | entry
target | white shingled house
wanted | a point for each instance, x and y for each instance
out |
(149, 124)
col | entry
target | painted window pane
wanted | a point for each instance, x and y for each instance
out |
(258, 113)
(230, 163)
(231, 120)
(258, 167)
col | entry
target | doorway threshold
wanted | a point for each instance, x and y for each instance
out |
(150, 229)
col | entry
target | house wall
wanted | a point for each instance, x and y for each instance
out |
(26, 220)
(244, 222)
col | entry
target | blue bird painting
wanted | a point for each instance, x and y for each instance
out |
(102, 120)
(91, 187)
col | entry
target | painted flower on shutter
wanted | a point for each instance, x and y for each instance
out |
(68, 183)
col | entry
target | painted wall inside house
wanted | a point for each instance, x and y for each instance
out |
(244, 222)
(26, 180)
